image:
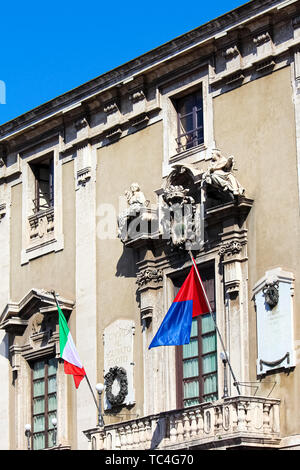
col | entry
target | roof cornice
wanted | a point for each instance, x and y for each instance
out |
(142, 64)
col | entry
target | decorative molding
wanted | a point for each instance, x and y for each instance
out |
(114, 133)
(81, 123)
(111, 107)
(15, 354)
(83, 176)
(231, 247)
(15, 315)
(232, 287)
(261, 38)
(149, 275)
(231, 52)
(147, 314)
(235, 78)
(41, 226)
(265, 65)
(137, 95)
(139, 120)
(275, 363)
(2, 211)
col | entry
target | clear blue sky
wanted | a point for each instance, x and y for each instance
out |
(48, 48)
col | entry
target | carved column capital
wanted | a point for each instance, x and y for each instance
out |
(149, 275)
(231, 247)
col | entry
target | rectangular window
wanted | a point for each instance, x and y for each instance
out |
(43, 172)
(190, 121)
(196, 362)
(44, 402)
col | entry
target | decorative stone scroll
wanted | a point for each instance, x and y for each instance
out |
(273, 296)
(230, 247)
(149, 275)
(118, 363)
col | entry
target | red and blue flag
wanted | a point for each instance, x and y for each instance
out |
(190, 302)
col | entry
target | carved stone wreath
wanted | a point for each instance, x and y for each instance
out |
(271, 293)
(116, 373)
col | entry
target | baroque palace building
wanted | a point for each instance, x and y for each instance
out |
(193, 147)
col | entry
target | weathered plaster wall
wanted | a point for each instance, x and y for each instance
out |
(136, 158)
(256, 124)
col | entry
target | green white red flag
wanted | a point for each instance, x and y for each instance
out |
(68, 352)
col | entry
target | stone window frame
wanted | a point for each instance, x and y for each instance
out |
(54, 214)
(172, 91)
(45, 396)
(168, 296)
(28, 356)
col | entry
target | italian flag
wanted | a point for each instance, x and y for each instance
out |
(68, 352)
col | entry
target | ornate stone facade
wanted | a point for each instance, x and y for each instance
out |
(117, 249)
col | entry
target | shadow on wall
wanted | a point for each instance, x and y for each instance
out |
(159, 433)
(4, 346)
(126, 266)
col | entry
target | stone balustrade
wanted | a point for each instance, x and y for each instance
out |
(235, 421)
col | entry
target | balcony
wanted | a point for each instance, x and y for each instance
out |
(239, 422)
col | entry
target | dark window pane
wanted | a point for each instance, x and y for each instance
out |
(190, 121)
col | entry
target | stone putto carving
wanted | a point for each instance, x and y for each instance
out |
(135, 197)
(219, 174)
(137, 203)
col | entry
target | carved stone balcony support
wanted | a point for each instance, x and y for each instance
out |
(234, 422)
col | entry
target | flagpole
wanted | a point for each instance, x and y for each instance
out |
(88, 382)
(235, 383)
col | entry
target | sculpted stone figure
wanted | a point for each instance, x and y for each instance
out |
(136, 202)
(219, 174)
(135, 196)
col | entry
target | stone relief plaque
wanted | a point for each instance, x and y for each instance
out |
(118, 340)
(273, 297)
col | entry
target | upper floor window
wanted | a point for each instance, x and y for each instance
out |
(44, 402)
(189, 121)
(196, 362)
(43, 173)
